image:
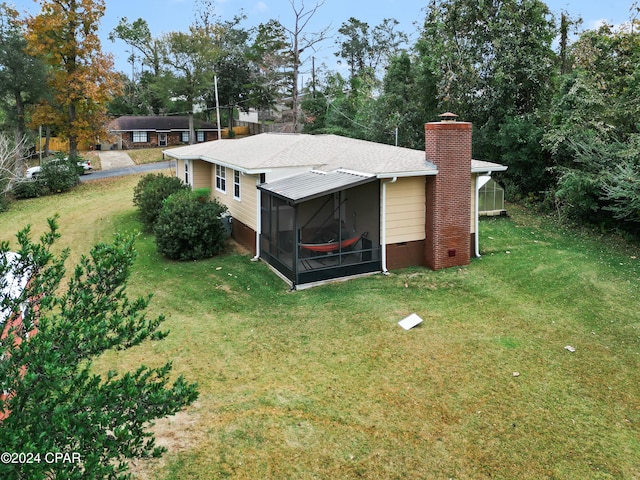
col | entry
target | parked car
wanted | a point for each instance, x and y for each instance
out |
(33, 172)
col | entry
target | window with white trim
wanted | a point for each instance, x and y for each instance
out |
(186, 172)
(200, 136)
(184, 137)
(236, 184)
(221, 178)
(139, 136)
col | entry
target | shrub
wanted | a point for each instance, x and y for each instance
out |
(29, 189)
(189, 227)
(60, 175)
(150, 192)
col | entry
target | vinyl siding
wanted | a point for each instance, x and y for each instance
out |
(245, 208)
(405, 220)
(180, 169)
(201, 172)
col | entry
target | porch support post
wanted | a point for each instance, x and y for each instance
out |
(258, 220)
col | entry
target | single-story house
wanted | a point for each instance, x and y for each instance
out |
(321, 207)
(130, 132)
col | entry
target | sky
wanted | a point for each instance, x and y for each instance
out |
(164, 16)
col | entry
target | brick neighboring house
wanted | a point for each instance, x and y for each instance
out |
(12, 286)
(322, 207)
(129, 132)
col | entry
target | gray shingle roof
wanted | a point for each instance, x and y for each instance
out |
(261, 153)
(326, 152)
(158, 123)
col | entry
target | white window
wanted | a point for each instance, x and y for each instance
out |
(184, 137)
(221, 179)
(236, 184)
(139, 136)
(200, 136)
(186, 172)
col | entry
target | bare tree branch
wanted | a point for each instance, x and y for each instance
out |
(12, 161)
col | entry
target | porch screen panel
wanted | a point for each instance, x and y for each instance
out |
(278, 220)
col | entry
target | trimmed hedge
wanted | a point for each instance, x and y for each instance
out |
(190, 227)
(150, 192)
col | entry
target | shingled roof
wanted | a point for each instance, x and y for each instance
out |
(259, 153)
(159, 123)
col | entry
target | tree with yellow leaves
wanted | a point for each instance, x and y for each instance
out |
(80, 77)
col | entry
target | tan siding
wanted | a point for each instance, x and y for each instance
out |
(180, 169)
(245, 208)
(405, 220)
(201, 172)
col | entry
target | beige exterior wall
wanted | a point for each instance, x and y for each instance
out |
(405, 216)
(180, 169)
(201, 172)
(245, 209)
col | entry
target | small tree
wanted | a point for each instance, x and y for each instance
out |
(190, 227)
(11, 164)
(150, 192)
(55, 402)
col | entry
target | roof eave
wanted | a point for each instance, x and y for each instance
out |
(247, 171)
(500, 168)
(417, 173)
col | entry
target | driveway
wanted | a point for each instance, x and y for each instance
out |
(119, 167)
(114, 159)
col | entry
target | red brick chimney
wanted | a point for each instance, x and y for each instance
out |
(448, 194)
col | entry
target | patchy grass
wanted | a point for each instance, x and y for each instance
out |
(146, 155)
(323, 383)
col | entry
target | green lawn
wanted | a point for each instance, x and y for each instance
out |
(323, 383)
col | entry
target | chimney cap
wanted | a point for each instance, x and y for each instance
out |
(448, 117)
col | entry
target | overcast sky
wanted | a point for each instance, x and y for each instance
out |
(167, 15)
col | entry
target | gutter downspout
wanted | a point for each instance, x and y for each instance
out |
(481, 181)
(383, 226)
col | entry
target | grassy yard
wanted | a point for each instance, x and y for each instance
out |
(323, 383)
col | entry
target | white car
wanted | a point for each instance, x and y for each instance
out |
(34, 172)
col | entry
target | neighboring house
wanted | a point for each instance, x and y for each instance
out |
(12, 286)
(321, 207)
(130, 132)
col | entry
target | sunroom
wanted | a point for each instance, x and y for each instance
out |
(320, 226)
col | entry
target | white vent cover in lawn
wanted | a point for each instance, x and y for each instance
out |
(410, 321)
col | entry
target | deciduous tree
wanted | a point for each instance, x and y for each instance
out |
(80, 76)
(21, 75)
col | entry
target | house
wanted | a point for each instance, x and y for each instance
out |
(130, 132)
(13, 318)
(321, 207)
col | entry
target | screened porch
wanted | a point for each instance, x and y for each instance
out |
(320, 226)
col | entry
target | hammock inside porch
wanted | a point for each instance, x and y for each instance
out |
(332, 246)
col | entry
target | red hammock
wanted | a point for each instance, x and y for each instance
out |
(330, 246)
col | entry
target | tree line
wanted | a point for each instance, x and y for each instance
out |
(555, 102)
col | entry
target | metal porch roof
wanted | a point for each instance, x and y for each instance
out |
(309, 185)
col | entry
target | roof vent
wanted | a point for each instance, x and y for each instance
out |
(448, 117)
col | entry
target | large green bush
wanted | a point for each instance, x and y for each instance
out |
(150, 192)
(29, 189)
(60, 175)
(189, 227)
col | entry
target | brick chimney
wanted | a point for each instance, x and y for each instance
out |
(448, 194)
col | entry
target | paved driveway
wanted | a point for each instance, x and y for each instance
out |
(117, 163)
(115, 159)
